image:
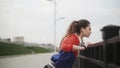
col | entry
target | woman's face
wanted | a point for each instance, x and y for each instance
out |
(87, 31)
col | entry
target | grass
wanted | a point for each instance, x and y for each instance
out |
(14, 49)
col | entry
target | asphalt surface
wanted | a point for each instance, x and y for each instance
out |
(25, 61)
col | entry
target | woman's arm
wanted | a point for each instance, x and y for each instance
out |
(75, 47)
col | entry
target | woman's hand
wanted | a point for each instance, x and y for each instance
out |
(88, 44)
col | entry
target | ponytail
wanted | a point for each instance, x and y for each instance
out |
(75, 27)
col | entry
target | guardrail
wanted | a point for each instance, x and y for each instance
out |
(104, 54)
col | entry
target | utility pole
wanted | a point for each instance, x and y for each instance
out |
(55, 23)
(55, 20)
(54, 1)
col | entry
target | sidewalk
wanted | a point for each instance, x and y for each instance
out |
(25, 61)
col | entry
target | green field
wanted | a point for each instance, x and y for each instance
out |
(15, 49)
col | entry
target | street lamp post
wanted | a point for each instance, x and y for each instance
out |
(55, 23)
(54, 1)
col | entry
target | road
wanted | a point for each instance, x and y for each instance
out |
(26, 61)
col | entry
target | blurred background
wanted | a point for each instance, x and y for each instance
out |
(46, 21)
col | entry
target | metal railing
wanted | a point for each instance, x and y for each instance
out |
(105, 54)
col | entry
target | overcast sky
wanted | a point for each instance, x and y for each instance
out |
(34, 19)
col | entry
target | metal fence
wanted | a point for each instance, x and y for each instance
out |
(104, 54)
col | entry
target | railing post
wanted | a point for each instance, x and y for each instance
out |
(109, 32)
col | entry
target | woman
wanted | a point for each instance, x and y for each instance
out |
(71, 44)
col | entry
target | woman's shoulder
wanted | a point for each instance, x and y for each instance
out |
(72, 37)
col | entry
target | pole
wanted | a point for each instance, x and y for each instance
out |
(54, 1)
(55, 24)
(55, 20)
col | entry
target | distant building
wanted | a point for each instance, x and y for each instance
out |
(6, 40)
(18, 39)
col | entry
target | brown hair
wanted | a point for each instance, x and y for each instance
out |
(75, 27)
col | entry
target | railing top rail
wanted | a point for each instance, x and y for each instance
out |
(108, 41)
(113, 40)
(96, 44)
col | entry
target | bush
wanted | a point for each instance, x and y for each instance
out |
(14, 49)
